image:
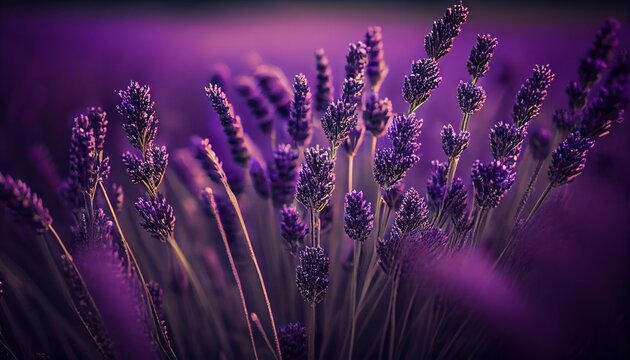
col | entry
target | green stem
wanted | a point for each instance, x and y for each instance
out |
(350, 164)
(528, 190)
(311, 335)
(392, 330)
(540, 201)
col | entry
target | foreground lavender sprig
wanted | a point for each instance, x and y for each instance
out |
(439, 41)
(419, 85)
(158, 217)
(506, 141)
(376, 68)
(293, 341)
(358, 217)
(247, 87)
(354, 82)
(24, 204)
(453, 144)
(324, 93)
(299, 125)
(140, 119)
(491, 181)
(479, 60)
(377, 114)
(337, 122)
(531, 95)
(292, 229)
(312, 274)
(436, 186)
(413, 213)
(470, 97)
(317, 179)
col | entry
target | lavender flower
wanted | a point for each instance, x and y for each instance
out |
(157, 298)
(439, 41)
(275, 87)
(263, 111)
(292, 229)
(377, 114)
(563, 120)
(137, 110)
(356, 61)
(236, 178)
(299, 125)
(25, 205)
(479, 60)
(454, 144)
(388, 251)
(393, 196)
(424, 78)
(358, 217)
(292, 339)
(324, 93)
(283, 174)
(491, 182)
(148, 171)
(337, 122)
(376, 69)
(208, 159)
(404, 132)
(354, 139)
(228, 218)
(454, 206)
(231, 124)
(470, 97)
(569, 159)
(506, 141)
(436, 185)
(607, 108)
(595, 62)
(312, 274)
(413, 213)
(260, 179)
(157, 215)
(540, 143)
(119, 197)
(317, 179)
(531, 95)
(391, 167)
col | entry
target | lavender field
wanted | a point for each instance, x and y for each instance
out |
(306, 181)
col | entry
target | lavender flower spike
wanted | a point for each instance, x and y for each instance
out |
(454, 144)
(470, 97)
(491, 182)
(231, 123)
(436, 185)
(439, 40)
(506, 141)
(376, 69)
(404, 132)
(283, 174)
(24, 204)
(356, 61)
(208, 158)
(299, 125)
(276, 88)
(479, 61)
(317, 179)
(312, 274)
(454, 205)
(137, 110)
(263, 111)
(260, 179)
(337, 122)
(413, 213)
(531, 95)
(358, 217)
(377, 114)
(292, 338)
(569, 159)
(292, 229)
(324, 93)
(418, 87)
(158, 218)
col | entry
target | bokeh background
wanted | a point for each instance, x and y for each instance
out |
(55, 60)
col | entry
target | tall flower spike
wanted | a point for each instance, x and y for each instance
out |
(276, 88)
(158, 218)
(564, 120)
(354, 139)
(596, 60)
(25, 205)
(491, 182)
(324, 90)
(260, 179)
(540, 143)
(261, 108)
(208, 158)
(531, 95)
(506, 141)
(413, 213)
(479, 61)
(231, 124)
(356, 61)
(137, 110)
(454, 144)
(436, 185)
(569, 159)
(418, 87)
(404, 132)
(292, 229)
(470, 97)
(283, 174)
(377, 114)
(317, 178)
(358, 217)
(299, 125)
(376, 69)
(337, 122)
(312, 274)
(439, 41)
(292, 339)
(454, 206)
(393, 196)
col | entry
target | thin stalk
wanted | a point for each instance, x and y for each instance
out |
(350, 164)
(528, 190)
(540, 201)
(312, 227)
(311, 335)
(259, 326)
(252, 254)
(272, 139)
(477, 224)
(387, 322)
(392, 330)
(452, 167)
(353, 293)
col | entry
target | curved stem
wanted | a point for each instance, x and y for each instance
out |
(353, 293)
(311, 335)
(350, 172)
(262, 332)
(392, 334)
(528, 190)
(540, 201)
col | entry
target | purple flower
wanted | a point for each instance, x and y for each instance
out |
(569, 159)
(312, 274)
(454, 206)
(454, 144)
(354, 139)
(317, 179)
(231, 124)
(479, 60)
(157, 217)
(376, 69)
(531, 95)
(235, 176)
(150, 170)
(607, 108)
(506, 141)
(283, 174)
(263, 111)
(393, 196)
(470, 97)
(377, 114)
(276, 88)
(404, 132)
(596, 60)
(25, 205)
(292, 339)
(391, 167)
(157, 298)
(413, 213)
(260, 179)
(540, 143)
(337, 122)
(424, 78)
(358, 217)
(439, 40)
(436, 185)
(208, 159)
(351, 91)
(137, 110)
(299, 125)
(324, 90)
(356, 61)
(564, 120)
(292, 229)
(491, 182)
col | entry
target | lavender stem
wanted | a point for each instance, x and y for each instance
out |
(528, 190)
(353, 292)
(540, 201)
(311, 335)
